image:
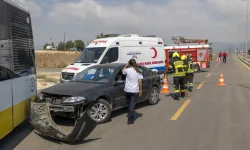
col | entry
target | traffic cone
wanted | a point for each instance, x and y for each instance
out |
(221, 80)
(165, 86)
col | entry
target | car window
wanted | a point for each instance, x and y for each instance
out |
(4, 75)
(111, 55)
(99, 75)
(120, 76)
(143, 71)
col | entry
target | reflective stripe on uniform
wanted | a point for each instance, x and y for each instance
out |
(179, 70)
(176, 91)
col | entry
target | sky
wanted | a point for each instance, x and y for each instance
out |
(219, 21)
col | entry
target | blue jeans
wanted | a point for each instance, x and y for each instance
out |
(131, 101)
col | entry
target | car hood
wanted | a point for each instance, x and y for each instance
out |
(71, 88)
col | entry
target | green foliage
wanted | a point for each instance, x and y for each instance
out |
(99, 36)
(60, 46)
(79, 44)
(69, 45)
(45, 45)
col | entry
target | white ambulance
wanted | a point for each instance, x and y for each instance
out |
(147, 50)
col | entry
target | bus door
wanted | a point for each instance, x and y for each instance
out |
(6, 101)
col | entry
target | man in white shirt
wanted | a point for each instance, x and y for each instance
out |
(133, 87)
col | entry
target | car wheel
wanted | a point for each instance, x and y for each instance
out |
(154, 96)
(99, 111)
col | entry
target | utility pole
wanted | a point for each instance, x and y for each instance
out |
(246, 24)
(64, 41)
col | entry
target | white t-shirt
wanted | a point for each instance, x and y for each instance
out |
(132, 80)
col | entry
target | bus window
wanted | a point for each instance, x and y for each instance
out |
(4, 75)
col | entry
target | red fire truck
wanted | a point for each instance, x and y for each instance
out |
(199, 49)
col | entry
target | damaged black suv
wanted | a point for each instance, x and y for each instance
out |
(99, 90)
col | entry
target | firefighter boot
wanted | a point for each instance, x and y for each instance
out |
(177, 96)
(190, 89)
(182, 94)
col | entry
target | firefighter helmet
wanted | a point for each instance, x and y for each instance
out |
(183, 57)
(175, 54)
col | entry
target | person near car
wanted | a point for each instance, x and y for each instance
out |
(179, 75)
(133, 87)
(224, 57)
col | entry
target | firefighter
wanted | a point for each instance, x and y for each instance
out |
(189, 73)
(178, 75)
(185, 66)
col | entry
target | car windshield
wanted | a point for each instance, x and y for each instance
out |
(95, 75)
(90, 55)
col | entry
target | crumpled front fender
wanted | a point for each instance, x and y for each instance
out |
(41, 120)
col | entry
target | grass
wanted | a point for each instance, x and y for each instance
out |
(55, 59)
(44, 78)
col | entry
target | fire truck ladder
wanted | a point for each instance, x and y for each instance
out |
(181, 39)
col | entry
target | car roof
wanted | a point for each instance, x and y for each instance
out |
(111, 65)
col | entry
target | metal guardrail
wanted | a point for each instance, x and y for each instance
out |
(243, 59)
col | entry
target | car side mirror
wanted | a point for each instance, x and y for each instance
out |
(119, 82)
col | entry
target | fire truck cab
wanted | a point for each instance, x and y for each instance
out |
(198, 49)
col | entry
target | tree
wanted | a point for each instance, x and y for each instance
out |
(248, 52)
(60, 46)
(45, 45)
(99, 36)
(79, 44)
(69, 45)
(52, 44)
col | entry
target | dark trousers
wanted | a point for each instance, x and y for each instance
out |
(224, 59)
(131, 101)
(179, 83)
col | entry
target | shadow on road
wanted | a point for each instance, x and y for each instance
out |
(60, 143)
(62, 121)
(125, 110)
(16, 136)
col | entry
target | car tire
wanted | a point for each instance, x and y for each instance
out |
(154, 96)
(100, 111)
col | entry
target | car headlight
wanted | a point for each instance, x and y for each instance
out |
(40, 96)
(73, 99)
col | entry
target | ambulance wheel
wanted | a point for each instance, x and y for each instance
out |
(99, 111)
(154, 95)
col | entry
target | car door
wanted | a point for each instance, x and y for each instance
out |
(118, 91)
(146, 83)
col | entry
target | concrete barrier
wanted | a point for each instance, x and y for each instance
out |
(243, 59)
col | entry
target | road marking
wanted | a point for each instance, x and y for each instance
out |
(200, 85)
(180, 110)
(208, 75)
(243, 63)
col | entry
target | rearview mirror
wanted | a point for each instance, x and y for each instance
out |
(119, 82)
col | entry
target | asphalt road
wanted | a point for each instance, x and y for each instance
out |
(212, 117)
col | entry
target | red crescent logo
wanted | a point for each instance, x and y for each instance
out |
(155, 52)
